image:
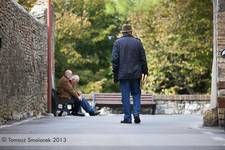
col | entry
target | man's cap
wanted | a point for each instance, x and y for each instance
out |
(126, 28)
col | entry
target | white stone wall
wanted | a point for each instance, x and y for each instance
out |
(181, 107)
(181, 104)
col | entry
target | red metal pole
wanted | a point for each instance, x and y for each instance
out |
(49, 23)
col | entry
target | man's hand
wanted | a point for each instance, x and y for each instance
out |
(115, 80)
(80, 98)
(144, 77)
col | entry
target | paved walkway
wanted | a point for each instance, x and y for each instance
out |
(158, 132)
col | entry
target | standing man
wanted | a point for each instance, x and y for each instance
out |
(129, 66)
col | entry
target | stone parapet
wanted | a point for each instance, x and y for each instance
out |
(181, 104)
(182, 97)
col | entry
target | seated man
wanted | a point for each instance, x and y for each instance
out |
(67, 93)
(82, 101)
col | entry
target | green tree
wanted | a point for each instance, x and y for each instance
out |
(82, 42)
(177, 36)
(178, 41)
(27, 4)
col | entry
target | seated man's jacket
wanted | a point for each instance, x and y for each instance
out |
(65, 89)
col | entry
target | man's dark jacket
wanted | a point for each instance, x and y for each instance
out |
(128, 58)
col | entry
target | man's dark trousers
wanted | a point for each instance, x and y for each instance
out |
(127, 87)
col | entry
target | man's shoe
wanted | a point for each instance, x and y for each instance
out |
(125, 121)
(59, 114)
(78, 114)
(137, 119)
(94, 113)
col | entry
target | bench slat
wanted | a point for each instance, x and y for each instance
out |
(109, 95)
(120, 103)
(113, 94)
(121, 96)
(118, 99)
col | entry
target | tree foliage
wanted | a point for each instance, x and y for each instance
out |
(27, 4)
(82, 41)
(177, 36)
(178, 41)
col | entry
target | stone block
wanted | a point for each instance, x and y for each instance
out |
(221, 85)
(221, 113)
(221, 101)
(210, 117)
(221, 92)
(169, 111)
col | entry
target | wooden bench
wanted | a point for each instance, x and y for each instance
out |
(114, 100)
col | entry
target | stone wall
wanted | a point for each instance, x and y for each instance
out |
(220, 38)
(181, 104)
(218, 68)
(23, 62)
